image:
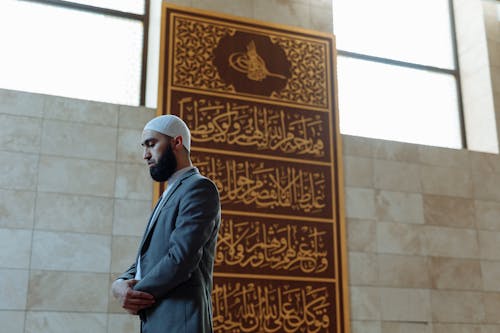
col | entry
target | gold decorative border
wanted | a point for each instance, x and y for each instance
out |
(340, 279)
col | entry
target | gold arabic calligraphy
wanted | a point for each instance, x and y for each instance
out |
(279, 247)
(253, 183)
(254, 307)
(275, 129)
(251, 64)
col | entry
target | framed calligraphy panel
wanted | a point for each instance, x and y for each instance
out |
(260, 100)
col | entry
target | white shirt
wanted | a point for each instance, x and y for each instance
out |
(171, 181)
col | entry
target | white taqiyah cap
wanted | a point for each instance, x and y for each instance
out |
(171, 126)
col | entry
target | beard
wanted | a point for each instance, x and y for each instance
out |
(165, 168)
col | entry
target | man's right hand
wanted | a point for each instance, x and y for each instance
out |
(131, 300)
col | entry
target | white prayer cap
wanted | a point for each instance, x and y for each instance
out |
(171, 126)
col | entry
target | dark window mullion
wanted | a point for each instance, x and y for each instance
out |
(91, 9)
(145, 38)
(396, 62)
(457, 75)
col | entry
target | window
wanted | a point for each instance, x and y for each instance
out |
(397, 71)
(75, 49)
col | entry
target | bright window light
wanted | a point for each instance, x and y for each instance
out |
(71, 53)
(396, 71)
(405, 30)
(397, 103)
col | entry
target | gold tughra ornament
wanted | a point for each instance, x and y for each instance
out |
(251, 64)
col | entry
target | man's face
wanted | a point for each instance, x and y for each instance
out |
(159, 155)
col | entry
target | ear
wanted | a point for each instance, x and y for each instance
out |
(177, 141)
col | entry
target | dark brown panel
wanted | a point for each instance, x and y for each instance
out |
(260, 102)
(254, 128)
(258, 245)
(244, 305)
(213, 56)
(269, 186)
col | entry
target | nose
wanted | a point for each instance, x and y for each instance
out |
(146, 155)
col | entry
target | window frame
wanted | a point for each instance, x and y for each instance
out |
(143, 18)
(455, 72)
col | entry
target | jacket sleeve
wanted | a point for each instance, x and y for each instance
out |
(196, 223)
(129, 273)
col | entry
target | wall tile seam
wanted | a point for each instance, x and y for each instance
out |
(124, 113)
(458, 322)
(133, 108)
(417, 167)
(433, 192)
(395, 191)
(13, 190)
(23, 93)
(39, 309)
(59, 311)
(426, 256)
(79, 120)
(34, 152)
(458, 289)
(393, 288)
(77, 194)
(130, 237)
(376, 189)
(420, 161)
(16, 228)
(93, 273)
(449, 228)
(21, 116)
(382, 157)
(70, 271)
(373, 143)
(474, 228)
(400, 255)
(419, 322)
(110, 266)
(133, 129)
(80, 123)
(466, 167)
(67, 231)
(79, 158)
(37, 176)
(14, 269)
(344, 155)
(483, 174)
(431, 292)
(400, 222)
(16, 152)
(57, 231)
(487, 230)
(382, 286)
(359, 220)
(74, 100)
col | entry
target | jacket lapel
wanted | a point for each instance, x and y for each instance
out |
(162, 203)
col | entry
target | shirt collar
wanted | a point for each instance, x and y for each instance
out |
(176, 175)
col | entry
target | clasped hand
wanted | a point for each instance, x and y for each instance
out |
(131, 300)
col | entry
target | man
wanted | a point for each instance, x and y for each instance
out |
(169, 286)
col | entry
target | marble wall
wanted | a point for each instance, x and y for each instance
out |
(423, 222)
(74, 195)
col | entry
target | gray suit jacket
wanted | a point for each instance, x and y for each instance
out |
(177, 258)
